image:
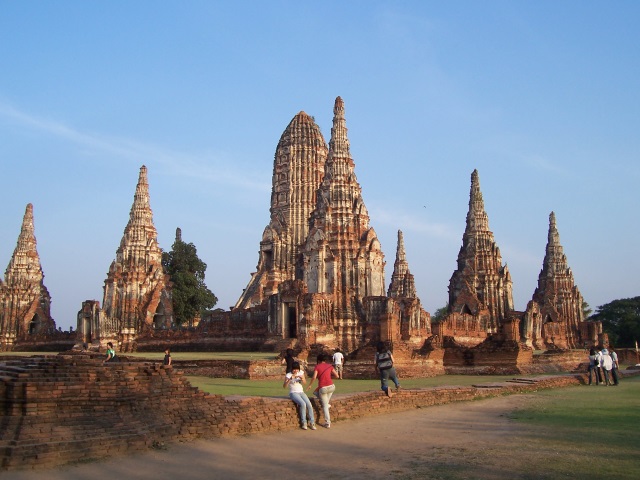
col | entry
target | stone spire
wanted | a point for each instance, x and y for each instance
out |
(140, 241)
(481, 283)
(24, 267)
(557, 295)
(342, 255)
(178, 235)
(298, 168)
(25, 303)
(402, 281)
(137, 293)
(477, 219)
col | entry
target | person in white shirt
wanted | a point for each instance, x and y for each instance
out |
(606, 365)
(338, 362)
(594, 364)
(295, 381)
(599, 366)
(615, 366)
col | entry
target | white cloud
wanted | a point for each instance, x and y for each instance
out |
(209, 166)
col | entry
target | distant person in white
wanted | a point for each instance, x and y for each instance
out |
(607, 364)
(338, 362)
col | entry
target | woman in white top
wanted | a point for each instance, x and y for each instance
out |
(295, 381)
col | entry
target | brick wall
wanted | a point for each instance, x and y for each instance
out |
(63, 409)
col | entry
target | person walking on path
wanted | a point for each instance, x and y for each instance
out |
(295, 381)
(384, 366)
(323, 372)
(593, 366)
(338, 362)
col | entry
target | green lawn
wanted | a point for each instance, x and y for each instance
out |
(588, 431)
(206, 355)
(273, 388)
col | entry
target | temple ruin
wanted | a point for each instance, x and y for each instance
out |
(298, 169)
(320, 276)
(25, 303)
(137, 292)
(319, 283)
(554, 318)
(480, 290)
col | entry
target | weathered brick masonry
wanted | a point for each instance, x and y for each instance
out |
(63, 409)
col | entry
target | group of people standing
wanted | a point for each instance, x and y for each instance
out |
(603, 364)
(327, 368)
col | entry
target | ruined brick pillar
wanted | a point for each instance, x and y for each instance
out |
(25, 303)
(137, 292)
(298, 168)
(556, 301)
(342, 255)
(481, 285)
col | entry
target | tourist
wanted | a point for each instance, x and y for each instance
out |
(615, 366)
(593, 366)
(606, 364)
(599, 365)
(288, 359)
(323, 372)
(338, 362)
(111, 353)
(384, 365)
(294, 380)
(167, 357)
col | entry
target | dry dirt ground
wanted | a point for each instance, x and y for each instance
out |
(473, 440)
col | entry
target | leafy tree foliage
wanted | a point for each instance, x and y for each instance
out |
(440, 313)
(621, 320)
(190, 294)
(586, 310)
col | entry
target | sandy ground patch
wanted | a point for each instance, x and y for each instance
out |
(465, 440)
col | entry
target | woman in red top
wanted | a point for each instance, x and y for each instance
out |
(323, 372)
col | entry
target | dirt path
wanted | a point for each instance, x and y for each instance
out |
(449, 441)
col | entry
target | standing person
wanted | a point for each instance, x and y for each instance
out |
(294, 380)
(288, 359)
(338, 362)
(111, 353)
(606, 365)
(384, 366)
(593, 366)
(323, 372)
(598, 367)
(167, 357)
(615, 367)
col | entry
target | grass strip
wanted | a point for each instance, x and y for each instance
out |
(273, 388)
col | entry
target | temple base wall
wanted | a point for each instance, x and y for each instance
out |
(65, 409)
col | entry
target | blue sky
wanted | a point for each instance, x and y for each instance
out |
(541, 97)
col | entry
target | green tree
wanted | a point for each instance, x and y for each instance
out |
(620, 320)
(586, 310)
(191, 296)
(440, 313)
